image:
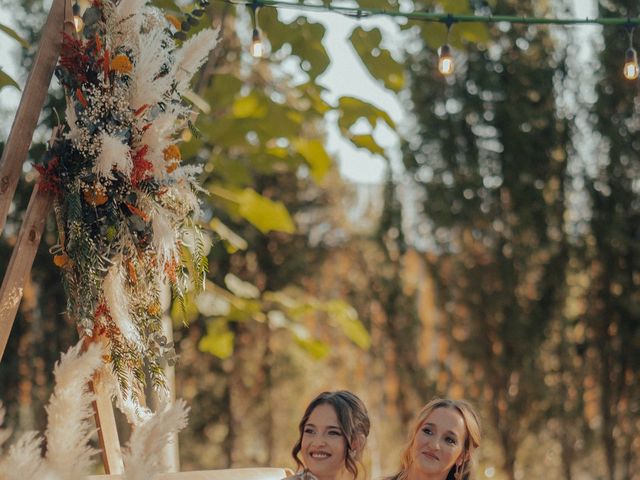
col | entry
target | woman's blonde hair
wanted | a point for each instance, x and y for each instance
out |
(471, 442)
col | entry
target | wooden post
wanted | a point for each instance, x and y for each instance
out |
(33, 97)
(21, 261)
(106, 424)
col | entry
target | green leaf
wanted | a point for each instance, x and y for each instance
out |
(317, 349)
(345, 316)
(352, 109)
(376, 59)
(306, 43)
(313, 92)
(367, 142)
(315, 155)
(456, 6)
(218, 341)
(435, 34)
(233, 241)
(243, 309)
(7, 81)
(250, 106)
(13, 34)
(265, 214)
(183, 308)
(166, 5)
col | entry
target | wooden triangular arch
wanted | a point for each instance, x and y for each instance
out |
(15, 152)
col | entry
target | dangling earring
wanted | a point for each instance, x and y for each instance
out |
(460, 470)
(352, 452)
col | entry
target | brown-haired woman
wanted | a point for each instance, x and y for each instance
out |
(333, 433)
(442, 441)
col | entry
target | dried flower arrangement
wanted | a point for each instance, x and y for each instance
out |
(125, 205)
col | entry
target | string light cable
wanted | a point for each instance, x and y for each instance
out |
(445, 60)
(437, 17)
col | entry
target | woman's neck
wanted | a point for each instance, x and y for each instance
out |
(414, 474)
(341, 475)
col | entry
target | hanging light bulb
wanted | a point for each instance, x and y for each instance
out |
(257, 47)
(630, 69)
(78, 23)
(631, 64)
(445, 60)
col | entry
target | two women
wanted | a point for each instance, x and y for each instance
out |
(335, 426)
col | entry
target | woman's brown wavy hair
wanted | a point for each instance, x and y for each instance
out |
(353, 420)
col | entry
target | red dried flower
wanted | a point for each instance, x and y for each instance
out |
(49, 181)
(141, 167)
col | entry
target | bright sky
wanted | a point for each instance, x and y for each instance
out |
(346, 75)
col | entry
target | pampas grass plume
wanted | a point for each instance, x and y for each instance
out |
(192, 54)
(164, 235)
(69, 425)
(144, 456)
(147, 88)
(23, 460)
(117, 302)
(114, 153)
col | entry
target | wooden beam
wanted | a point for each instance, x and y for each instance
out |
(33, 97)
(106, 423)
(21, 261)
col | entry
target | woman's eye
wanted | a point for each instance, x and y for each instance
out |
(308, 430)
(427, 431)
(335, 432)
(450, 441)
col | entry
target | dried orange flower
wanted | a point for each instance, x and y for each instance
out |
(95, 198)
(174, 21)
(172, 152)
(172, 157)
(61, 260)
(153, 309)
(121, 63)
(132, 272)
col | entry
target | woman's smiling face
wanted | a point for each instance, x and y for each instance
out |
(438, 444)
(323, 443)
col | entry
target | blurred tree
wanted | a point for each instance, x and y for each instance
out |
(612, 252)
(490, 153)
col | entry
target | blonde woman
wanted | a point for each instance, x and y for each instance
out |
(444, 436)
(333, 434)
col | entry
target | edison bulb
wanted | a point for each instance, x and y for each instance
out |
(631, 65)
(445, 60)
(257, 47)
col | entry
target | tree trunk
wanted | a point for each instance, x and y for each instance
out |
(509, 447)
(606, 403)
(567, 453)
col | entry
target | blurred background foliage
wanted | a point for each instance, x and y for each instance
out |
(500, 262)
